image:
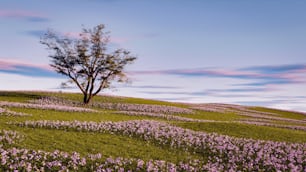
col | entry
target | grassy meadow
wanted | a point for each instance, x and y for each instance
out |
(121, 134)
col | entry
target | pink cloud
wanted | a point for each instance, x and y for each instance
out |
(6, 64)
(266, 78)
(234, 73)
(294, 77)
(22, 14)
(206, 72)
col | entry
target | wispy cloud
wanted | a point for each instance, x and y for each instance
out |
(238, 90)
(254, 76)
(24, 15)
(257, 76)
(275, 81)
(210, 92)
(195, 93)
(204, 73)
(277, 69)
(26, 69)
(151, 87)
(38, 19)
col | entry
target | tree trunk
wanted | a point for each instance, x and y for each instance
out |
(87, 98)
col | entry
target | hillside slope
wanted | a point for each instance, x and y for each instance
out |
(133, 133)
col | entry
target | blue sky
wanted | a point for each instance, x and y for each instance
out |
(242, 52)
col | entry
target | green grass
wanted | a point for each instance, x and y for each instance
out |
(248, 131)
(289, 123)
(18, 96)
(123, 146)
(91, 143)
(40, 114)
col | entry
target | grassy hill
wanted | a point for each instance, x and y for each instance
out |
(119, 133)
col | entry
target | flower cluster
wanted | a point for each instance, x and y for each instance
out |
(165, 116)
(15, 159)
(31, 160)
(210, 108)
(294, 127)
(2, 110)
(8, 137)
(115, 106)
(6, 112)
(45, 106)
(224, 153)
(54, 101)
(144, 108)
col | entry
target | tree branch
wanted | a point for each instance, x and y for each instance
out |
(104, 80)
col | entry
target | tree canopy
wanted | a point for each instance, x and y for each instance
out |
(87, 60)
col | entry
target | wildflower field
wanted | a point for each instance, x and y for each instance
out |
(41, 131)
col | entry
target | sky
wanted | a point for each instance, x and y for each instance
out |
(198, 51)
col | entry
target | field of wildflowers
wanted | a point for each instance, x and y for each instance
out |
(27, 133)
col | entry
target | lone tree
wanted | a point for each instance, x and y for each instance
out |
(86, 60)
